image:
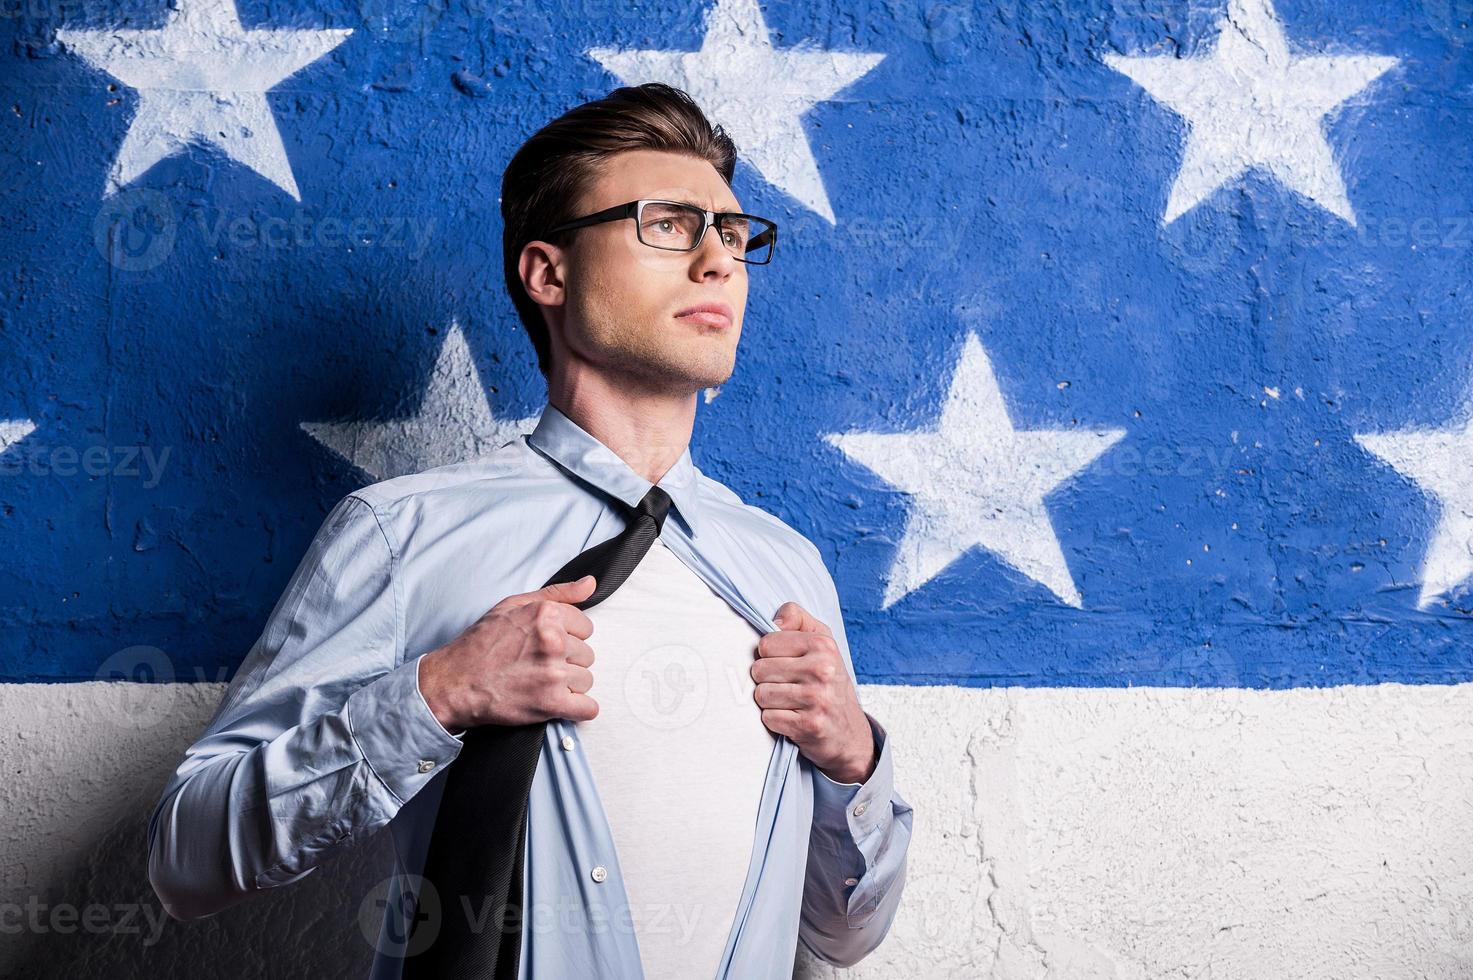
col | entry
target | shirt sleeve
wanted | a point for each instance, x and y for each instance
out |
(858, 842)
(321, 737)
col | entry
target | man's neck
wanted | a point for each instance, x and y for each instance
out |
(648, 430)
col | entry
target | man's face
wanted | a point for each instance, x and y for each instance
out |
(612, 302)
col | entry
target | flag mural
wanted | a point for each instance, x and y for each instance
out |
(1120, 414)
(1106, 346)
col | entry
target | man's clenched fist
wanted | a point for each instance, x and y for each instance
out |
(525, 660)
(805, 693)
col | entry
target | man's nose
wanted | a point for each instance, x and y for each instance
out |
(712, 255)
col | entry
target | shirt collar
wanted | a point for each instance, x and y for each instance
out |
(571, 446)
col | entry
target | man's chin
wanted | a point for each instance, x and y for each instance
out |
(718, 377)
(705, 382)
(697, 373)
(682, 374)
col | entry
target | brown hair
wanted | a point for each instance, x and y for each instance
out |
(550, 171)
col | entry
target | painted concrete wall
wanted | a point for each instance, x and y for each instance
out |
(1116, 358)
(1120, 834)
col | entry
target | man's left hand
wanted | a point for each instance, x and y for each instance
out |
(805, 693)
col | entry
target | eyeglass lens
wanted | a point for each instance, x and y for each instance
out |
(676, 227)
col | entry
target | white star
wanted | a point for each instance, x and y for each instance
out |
(454, 422)
(974, 479)
(755, 92)
(13, 431)
(1440, 461)
(1249, 103)
(202, 78)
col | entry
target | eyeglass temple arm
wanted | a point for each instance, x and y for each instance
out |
(607, 214)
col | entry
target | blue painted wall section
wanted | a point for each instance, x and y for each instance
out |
(991, 177)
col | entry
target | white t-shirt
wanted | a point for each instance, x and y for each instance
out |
(671, 675)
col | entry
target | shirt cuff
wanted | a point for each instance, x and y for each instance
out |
(397, 733)
(859, 808)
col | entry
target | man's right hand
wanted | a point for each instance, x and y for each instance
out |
(524, 661)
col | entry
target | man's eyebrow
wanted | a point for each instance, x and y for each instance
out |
(704, 207)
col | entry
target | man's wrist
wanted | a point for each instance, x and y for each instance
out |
(861, 768)
(432, 690)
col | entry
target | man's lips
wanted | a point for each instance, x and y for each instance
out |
(711, 314)
(710, 319)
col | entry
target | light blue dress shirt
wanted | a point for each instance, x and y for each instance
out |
(323, 736)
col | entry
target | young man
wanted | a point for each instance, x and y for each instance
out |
(725, 796)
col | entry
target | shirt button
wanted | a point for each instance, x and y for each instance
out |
(425, 765)
(859, 810)
(851, 881)
(599, 873)
(568, 742)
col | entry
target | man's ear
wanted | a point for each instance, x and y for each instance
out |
(542, 267)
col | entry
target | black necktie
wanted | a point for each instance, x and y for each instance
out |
(474, 860)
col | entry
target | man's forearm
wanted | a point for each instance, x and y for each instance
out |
(238, 820)
(322, 735)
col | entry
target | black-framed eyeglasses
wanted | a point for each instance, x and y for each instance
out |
(679, 227)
